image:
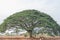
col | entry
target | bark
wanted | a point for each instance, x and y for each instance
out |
(30, 33)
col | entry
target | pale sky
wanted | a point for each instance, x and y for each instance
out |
(51, 7)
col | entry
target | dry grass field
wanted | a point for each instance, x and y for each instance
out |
(24, 38)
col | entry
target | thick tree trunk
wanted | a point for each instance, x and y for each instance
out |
(30, 33)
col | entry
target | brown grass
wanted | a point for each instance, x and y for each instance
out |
(24, 38)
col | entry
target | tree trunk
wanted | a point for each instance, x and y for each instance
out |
(30, 33)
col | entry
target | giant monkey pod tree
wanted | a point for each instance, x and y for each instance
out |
(29, 20)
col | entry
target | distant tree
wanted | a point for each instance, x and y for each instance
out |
(29, 20)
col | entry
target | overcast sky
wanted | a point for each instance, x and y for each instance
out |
(51, 7)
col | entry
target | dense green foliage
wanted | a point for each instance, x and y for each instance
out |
(29, 20)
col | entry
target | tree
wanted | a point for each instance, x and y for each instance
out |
(29, 20)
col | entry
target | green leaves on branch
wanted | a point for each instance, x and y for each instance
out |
(28, 20)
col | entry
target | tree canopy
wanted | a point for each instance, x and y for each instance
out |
(29, 20)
